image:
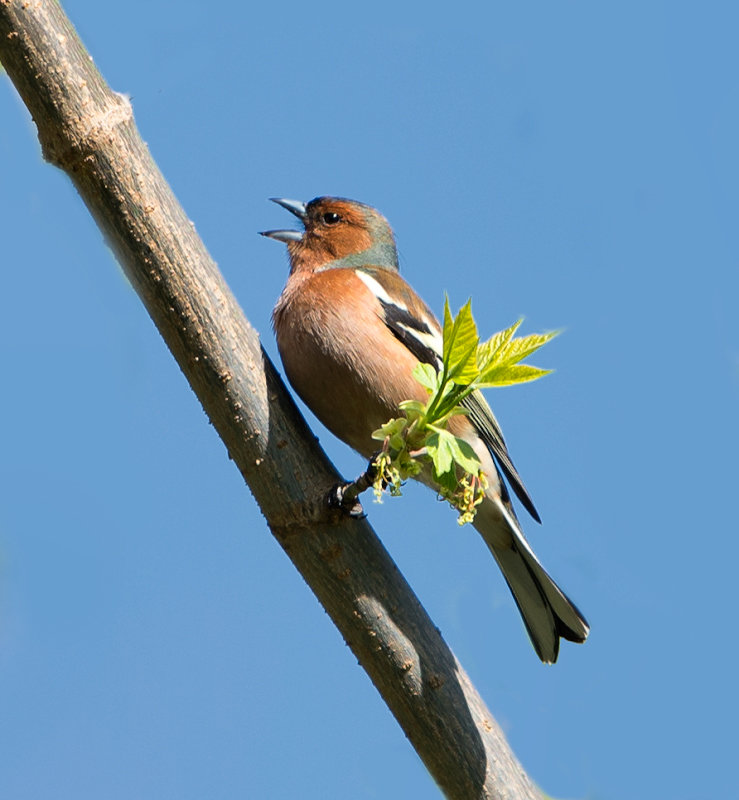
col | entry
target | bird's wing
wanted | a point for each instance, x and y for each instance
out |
(482, 417)
(405, 314)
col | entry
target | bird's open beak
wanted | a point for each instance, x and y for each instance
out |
(283, 236)
(294, 207)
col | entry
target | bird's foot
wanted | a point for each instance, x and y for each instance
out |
(345, 496)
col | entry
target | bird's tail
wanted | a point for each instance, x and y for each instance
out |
(546, 610)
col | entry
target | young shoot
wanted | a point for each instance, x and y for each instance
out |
(420, 440)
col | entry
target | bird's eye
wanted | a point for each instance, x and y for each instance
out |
(330, 218)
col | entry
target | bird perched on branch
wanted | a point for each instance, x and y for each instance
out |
(350, 332)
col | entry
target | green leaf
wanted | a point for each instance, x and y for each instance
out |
(490, 352)
(509, 374)
(460, 344)
(393, 431)
(440, 451)
(498, 356)
(466, 457)
(461, 451)
(449, 449)
(427, 376)
(447, 483)
(526, 345)
(447, 328)
(465, 371)
(415, 407)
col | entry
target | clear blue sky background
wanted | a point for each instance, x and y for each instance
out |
(572, 162)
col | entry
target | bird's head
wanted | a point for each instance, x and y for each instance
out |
(338, 233)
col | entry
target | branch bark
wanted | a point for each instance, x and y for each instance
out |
(88, 131)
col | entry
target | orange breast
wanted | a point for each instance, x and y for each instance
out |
(340, 357)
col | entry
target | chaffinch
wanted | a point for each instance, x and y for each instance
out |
(350, 331)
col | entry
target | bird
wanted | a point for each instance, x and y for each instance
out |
(350, 331)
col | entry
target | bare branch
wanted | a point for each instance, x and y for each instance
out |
(88, 131)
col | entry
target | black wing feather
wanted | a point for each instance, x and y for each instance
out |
(398, 321)
(482, 417)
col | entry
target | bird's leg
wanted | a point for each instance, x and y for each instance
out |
(345, 496)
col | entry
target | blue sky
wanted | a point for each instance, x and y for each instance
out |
(573, 163)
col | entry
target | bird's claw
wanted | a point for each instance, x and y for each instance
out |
(345, 501)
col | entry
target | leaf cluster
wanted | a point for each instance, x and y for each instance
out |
(420, 440)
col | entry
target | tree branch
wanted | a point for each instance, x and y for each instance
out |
(88, 131)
